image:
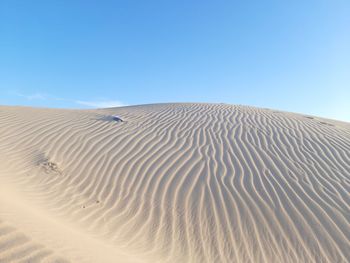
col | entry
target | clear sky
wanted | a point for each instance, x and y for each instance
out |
(287, 55)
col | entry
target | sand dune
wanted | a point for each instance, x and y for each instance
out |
(173, 183)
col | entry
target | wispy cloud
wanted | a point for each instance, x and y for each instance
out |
(101, 104)
(35, 96)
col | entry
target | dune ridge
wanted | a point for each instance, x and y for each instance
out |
(182, 182)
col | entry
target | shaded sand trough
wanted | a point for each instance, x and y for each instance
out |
(173, 183)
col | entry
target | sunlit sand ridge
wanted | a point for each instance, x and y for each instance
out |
(173, 183)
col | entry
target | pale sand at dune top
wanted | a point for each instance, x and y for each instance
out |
(173, 183)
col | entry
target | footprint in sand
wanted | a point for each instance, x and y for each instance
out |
(49, 167)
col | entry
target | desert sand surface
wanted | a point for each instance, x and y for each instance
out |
(174, 182)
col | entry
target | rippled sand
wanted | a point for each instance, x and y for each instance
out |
(173, 183)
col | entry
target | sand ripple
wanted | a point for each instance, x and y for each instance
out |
(173, 183)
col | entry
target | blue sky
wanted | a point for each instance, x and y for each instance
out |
(287, 55)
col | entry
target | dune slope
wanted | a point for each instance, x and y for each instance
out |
(173, 183)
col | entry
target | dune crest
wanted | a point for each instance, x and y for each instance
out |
(173, 183)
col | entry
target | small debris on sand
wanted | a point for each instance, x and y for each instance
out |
(50, 167)
(117, 118)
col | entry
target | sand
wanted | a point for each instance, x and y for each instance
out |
(173, 183)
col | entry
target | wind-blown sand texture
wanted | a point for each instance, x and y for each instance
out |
(173, 183)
